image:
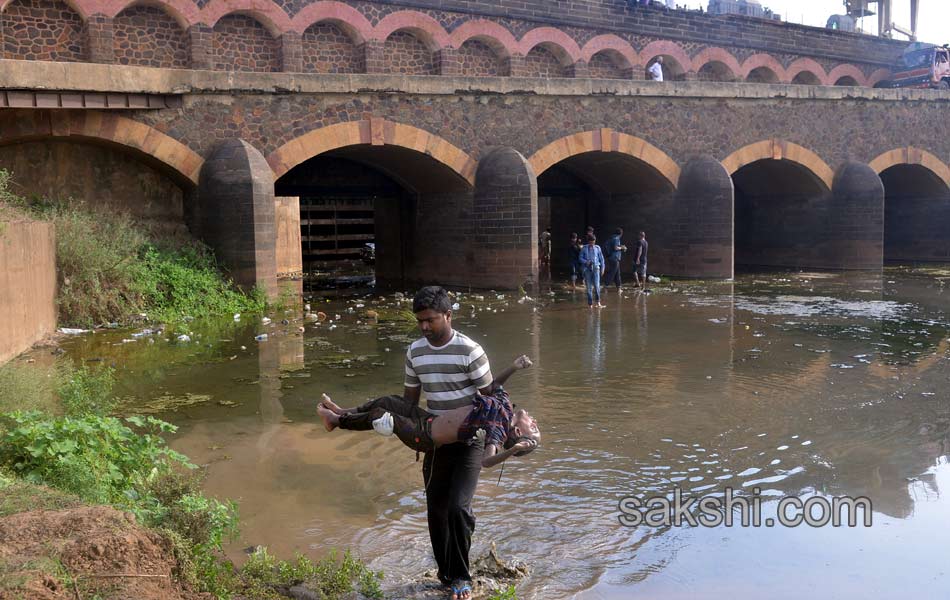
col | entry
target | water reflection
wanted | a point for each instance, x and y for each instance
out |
(798, 384)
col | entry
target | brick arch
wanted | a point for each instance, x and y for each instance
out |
(185, 12)
(377, 132)
(803, 65)
(612, 42)
(347, 18)
(763, 60)
(715, 54)
(776, 149)
(568, 49)
(878, 76)
(847, 71)
(911, 156)
(266, 12)
(490, 33)
(177, 159)
(605, 140)
(666, 48)
(83, 8)
(424, 27)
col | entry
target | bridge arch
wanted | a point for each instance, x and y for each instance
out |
(185, 12)
(806, 71)
(266, 12)
(878, 76)
(844, 71)
(764, 65)
(777, 149)
(605, 140)
(498, 38)
(610, 42)
(375, 132)
(562, 45)
(420, 25)
(146, 143)
(677, 61)
(911, 156)
(80, 7)
(916, 205)
(719, 63)
(347, 18)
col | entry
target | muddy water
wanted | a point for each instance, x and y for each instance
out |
(803, 384)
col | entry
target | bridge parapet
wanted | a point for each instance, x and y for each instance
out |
(589, 38)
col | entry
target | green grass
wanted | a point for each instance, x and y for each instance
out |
(17, 495)
(111, 267)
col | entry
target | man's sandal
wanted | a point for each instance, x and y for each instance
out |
(459, 587)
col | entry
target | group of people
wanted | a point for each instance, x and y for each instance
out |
(469, 423)
(601, 267)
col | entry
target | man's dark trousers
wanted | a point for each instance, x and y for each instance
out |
(613, 273)
(451, 474)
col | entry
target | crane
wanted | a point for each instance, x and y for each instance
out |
(885, 24)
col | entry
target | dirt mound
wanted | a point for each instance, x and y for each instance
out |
(85, 552)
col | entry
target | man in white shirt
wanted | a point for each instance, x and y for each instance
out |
(656, 69)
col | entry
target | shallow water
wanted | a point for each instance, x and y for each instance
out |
(799, 384)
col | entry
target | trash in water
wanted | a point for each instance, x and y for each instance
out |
(265, 320)
(72, 331)
(456, 306)
(237, 316)
(184, 338)
(261, 338)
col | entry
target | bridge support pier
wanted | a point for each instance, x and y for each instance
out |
(703, 227)
(503, 252)
(234, 214)
(856, 235)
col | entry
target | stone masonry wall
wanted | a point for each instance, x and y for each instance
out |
(541, 62)
(408, 55)
(42, 30)
(243, 44)
(148, 36)
(479, 60)
(327, 49)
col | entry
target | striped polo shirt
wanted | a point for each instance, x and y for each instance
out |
(450, 375)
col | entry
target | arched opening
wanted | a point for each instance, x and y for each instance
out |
(781, 215)
(414, 209)
(241, 43)
(806, 78)
(762, 75)
(673, 70)
(408, 54)
(547, 60)
(327, 48)
(846, 81)
(609, 64)
(42, 30)
(102, 176)
(715, 70)
(478, 58)
(148, 36)
(916, 215)
(604, 190)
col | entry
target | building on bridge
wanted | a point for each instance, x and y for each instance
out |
(456, 129)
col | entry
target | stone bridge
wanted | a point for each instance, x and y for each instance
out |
(470, 125)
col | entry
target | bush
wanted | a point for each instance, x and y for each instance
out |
(30, 386)
(110, 267)
(88, 391)
(263, 575)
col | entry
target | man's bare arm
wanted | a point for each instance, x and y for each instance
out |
(412, 394)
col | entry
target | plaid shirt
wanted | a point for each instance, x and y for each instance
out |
(491, 413)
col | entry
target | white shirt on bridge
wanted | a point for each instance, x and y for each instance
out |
(656, 71)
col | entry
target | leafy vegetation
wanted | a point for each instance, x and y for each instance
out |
(76, 453)
(111, 268)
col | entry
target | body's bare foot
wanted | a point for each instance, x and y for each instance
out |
(330, 419)
(332, 405)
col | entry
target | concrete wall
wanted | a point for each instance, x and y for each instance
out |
(287, 218)
(27, 285)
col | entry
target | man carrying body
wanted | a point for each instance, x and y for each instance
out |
(451, 369)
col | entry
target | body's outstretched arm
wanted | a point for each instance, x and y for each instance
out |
(522, 362)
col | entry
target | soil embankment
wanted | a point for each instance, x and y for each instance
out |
(84, 552)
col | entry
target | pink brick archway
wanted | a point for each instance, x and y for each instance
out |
(719, 55)
(568, 48)
(265, 11)
(343, 15)
(422, 26)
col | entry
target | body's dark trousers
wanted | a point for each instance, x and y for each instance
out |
(411, 424)
(451, 474)
(613, 273)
